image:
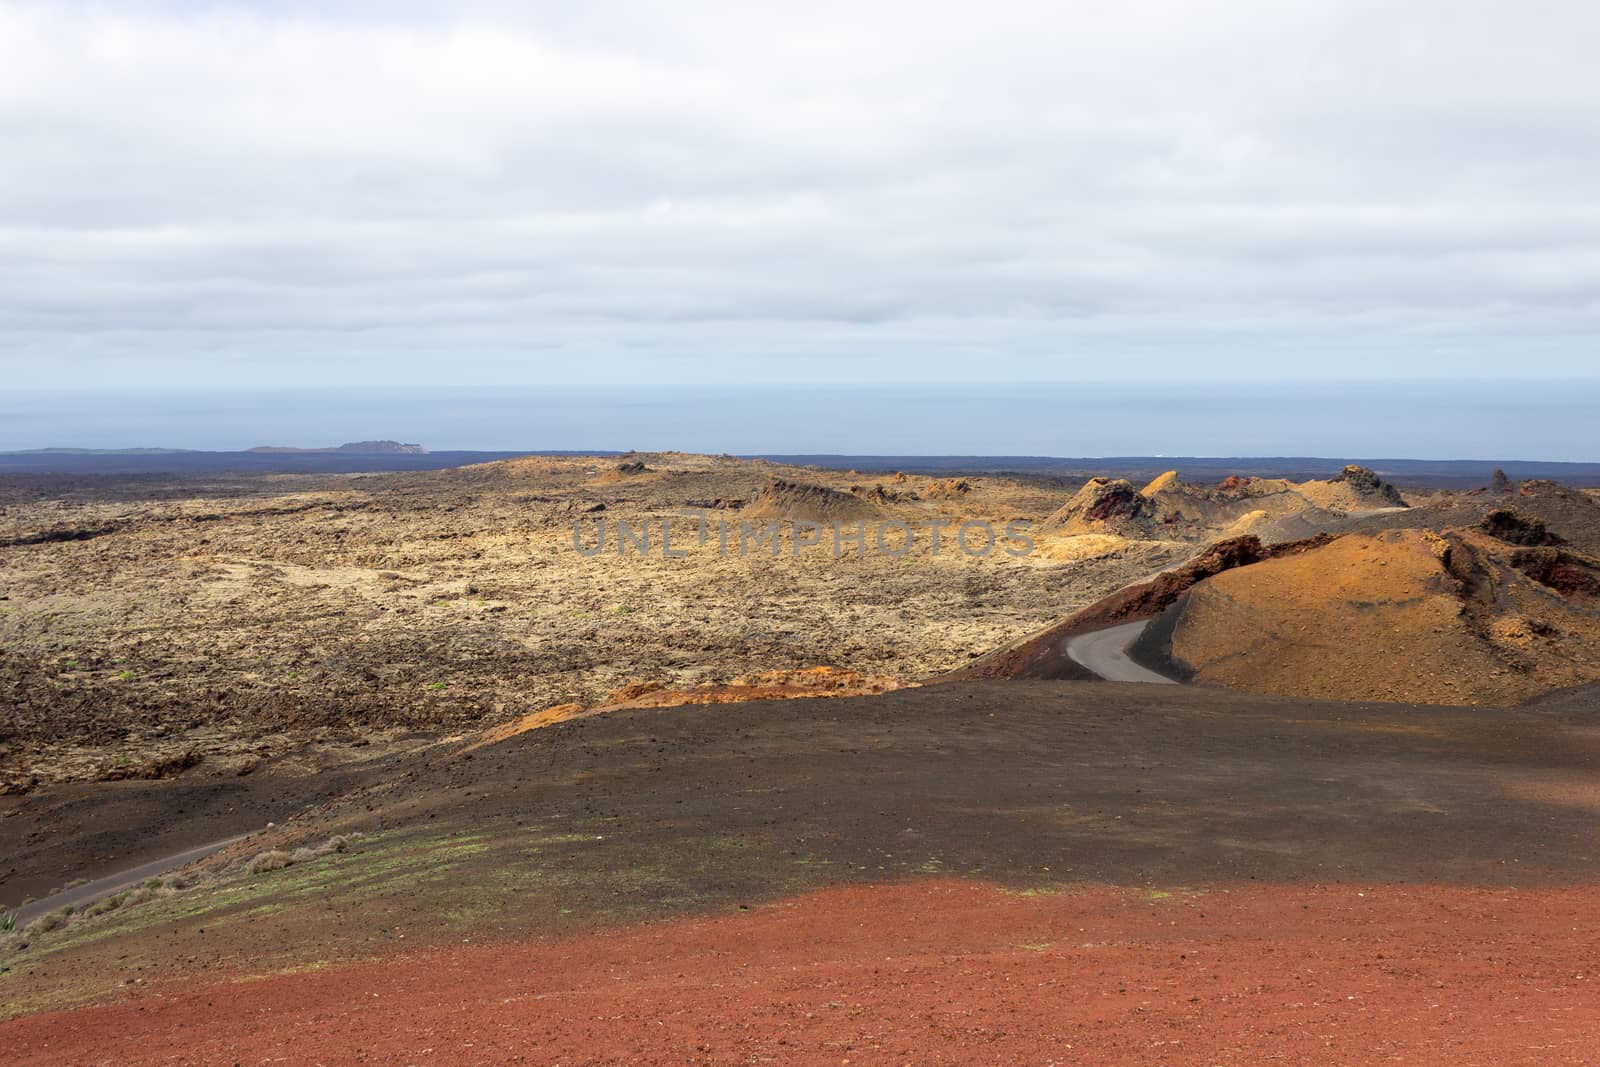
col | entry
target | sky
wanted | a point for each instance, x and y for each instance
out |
(346, 194)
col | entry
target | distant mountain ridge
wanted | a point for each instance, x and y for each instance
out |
(359, 448)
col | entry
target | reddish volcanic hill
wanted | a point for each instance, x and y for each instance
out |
(1458, 617)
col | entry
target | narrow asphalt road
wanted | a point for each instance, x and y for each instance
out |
(1105, 652)
(78, 896)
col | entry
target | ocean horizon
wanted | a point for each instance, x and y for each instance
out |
(1480, 420)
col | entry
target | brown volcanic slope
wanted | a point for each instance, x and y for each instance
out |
(1173, 510)
(1408, 615)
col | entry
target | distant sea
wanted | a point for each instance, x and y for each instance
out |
(1501, 420)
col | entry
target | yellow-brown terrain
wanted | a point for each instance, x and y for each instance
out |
(1457, 617)
(151, 627)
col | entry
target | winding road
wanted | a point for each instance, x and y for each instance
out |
(78, 896)
(1105, 652)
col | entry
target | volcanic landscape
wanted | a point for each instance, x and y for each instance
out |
(397, 767)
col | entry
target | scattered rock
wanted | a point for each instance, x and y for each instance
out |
(950, 489)
(159, 767)
(19, 785)
(878, 494)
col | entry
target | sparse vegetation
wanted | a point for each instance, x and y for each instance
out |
(105, 904)
(277, 859)
(271, 860)
(52, 920)
(158, 888)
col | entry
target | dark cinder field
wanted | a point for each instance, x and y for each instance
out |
(1028, 784)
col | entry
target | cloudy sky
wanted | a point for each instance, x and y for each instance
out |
(718, 192)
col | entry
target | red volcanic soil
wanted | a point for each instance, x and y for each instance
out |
(929, 972)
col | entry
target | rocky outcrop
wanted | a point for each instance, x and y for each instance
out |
(1369, 486)
(1105, 505)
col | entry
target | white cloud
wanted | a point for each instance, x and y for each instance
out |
(701, 191)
